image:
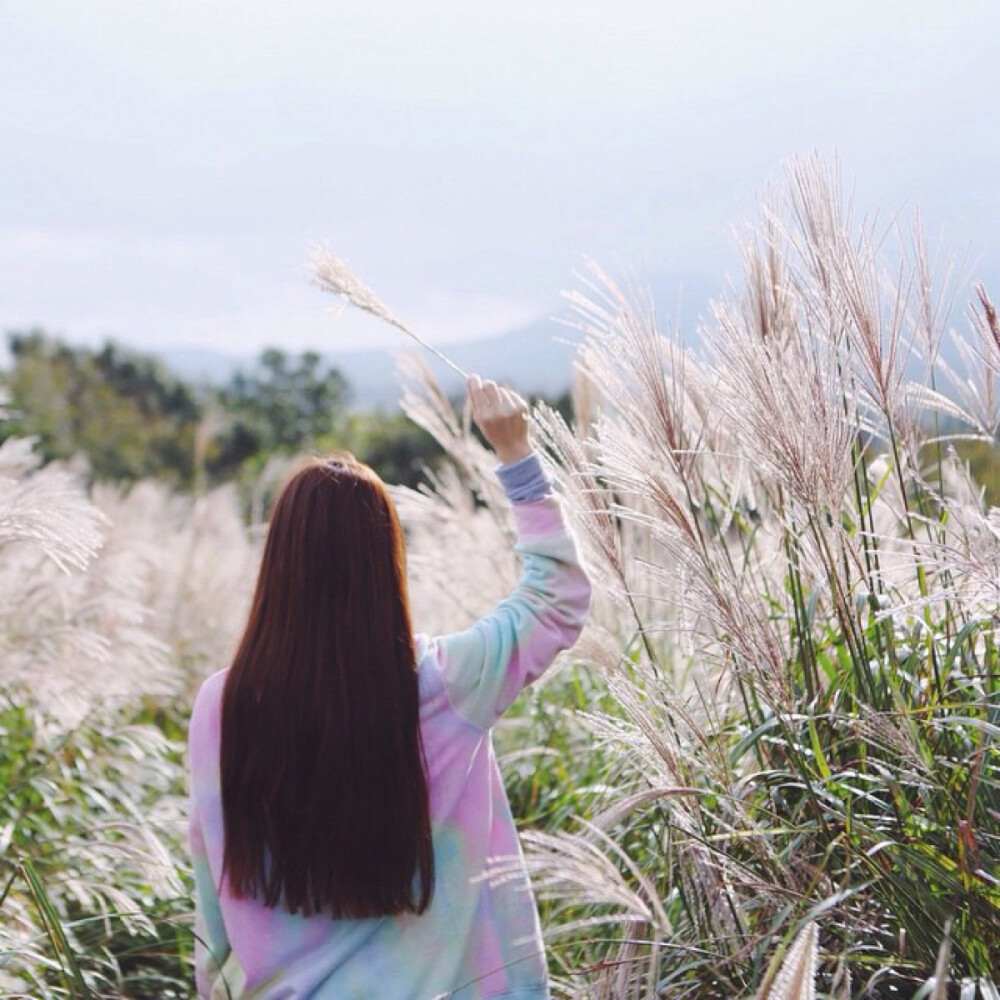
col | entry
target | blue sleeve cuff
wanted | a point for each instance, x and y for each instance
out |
(524, 479)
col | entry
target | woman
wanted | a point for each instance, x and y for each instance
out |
(345, 797)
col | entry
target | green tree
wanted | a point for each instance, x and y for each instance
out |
(124, 411)
(285, 404)
(393, 445)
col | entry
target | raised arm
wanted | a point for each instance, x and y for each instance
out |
(486, 666)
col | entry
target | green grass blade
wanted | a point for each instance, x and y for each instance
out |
(53, 927)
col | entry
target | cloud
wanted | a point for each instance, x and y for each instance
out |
(167, 165)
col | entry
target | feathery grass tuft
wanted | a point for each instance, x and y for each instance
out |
(335, 276)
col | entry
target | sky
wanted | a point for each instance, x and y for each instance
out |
(168, 165)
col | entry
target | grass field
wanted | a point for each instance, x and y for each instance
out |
(770, 767)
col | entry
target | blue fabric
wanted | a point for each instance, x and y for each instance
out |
(524, 479)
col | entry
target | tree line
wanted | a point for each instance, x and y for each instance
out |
(131, 418)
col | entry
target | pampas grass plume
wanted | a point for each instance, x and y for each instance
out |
(797, 976)
(334, 275)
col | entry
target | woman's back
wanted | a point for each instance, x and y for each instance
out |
(477, 938)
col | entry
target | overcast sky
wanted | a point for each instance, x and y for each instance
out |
(167, 164)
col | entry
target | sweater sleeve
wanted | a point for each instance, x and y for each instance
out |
(485, 667)
(211, 944)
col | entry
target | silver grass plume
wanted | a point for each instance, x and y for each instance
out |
(846, 270)
(980, 387)
(796, 979)
(461, 509)
(988, 327)
(573, 867)
(587, 500)
(335, 276)
(425, 403)
(46, 508)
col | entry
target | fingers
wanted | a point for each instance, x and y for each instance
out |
(502, 417)
(515, 402)
(484, 394)
(492, 396)
(490, 399)
(475, 387)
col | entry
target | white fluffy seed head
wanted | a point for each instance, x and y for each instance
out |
(334, 275)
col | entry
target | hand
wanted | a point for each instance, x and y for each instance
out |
(502, 416)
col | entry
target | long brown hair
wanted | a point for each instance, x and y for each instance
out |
(324, 793)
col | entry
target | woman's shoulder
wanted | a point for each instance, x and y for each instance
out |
(205, 711)
(211, 689)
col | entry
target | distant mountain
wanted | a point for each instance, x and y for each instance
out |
(536, 358)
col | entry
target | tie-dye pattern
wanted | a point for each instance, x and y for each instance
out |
(478, 939)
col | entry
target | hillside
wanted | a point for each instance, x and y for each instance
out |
(536, 358)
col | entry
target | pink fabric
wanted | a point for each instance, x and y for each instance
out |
(479, 939)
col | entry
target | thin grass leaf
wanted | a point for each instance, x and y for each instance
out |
(57, 936)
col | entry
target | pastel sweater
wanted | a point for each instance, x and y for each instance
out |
(480, 938)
